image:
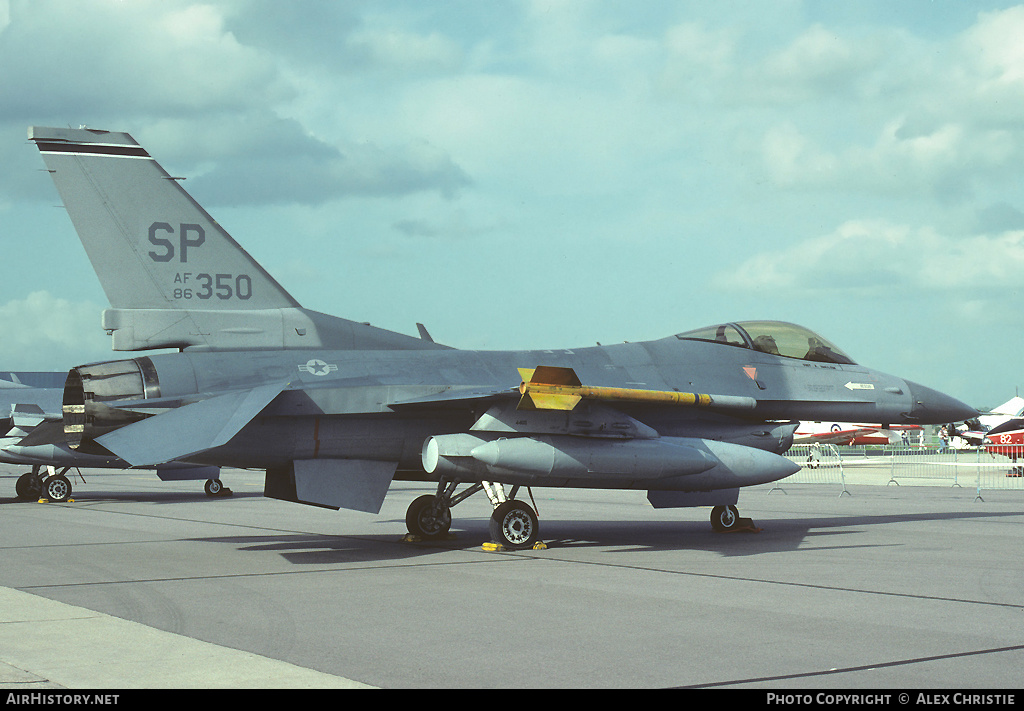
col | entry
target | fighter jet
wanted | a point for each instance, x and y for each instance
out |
(999, 431)
(975, 431)
(1007, 439)
(334, 410)
(851, 433)
(33, 435)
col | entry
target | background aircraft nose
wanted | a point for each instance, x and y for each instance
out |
(932, 407)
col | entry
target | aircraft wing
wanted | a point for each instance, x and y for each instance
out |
(456, 398)
(190, 429)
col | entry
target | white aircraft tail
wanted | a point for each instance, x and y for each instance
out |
(1013, 407)
(173, 276)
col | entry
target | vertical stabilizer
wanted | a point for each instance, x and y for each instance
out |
(173, 276)
(151, 244)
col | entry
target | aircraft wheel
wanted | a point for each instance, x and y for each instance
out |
(724, 517)
(213, 487)
(57, 488)
(421, 520)
(28, 487)
(514, 525)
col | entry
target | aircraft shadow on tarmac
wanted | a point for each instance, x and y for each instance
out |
(149, 497)
(776, 535)
(782, 535)
(320, 549)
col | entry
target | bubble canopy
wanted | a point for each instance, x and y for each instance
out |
(774, 337)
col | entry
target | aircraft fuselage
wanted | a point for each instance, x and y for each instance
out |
(384, 404)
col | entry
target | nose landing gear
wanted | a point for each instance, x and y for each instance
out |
(727, 519)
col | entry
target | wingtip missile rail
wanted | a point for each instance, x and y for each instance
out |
(557, 388)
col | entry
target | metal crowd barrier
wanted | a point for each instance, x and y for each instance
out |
(987, 467)
(819, 464)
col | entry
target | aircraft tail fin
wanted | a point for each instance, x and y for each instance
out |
(151, 244)
(174, 277)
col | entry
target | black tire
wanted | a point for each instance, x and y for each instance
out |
(724, 518)
(514, 525)
(213, 487)
(57, 488)
(421, 520)
(28, 487)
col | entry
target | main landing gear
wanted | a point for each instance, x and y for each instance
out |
(54, 487)
(513, 524)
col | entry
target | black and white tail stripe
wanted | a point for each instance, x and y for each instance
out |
(94, 149)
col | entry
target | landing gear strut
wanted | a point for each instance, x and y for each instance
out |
(33, 485)
(513, 523)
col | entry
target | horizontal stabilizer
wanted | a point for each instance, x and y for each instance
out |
(43, 432)
(28, 415)
(190, 429)
(357, 484)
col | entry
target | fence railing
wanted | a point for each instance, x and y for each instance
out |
(819, 464)
(987, 467)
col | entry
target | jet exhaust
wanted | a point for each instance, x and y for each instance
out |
(91, 390)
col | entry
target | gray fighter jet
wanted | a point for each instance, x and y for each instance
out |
(334, 410)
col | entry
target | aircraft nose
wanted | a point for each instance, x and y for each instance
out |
(930, 407)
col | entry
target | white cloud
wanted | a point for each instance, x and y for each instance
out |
(938, 118)
(818, 63)
(877, 258)
(144, 56)
(403, 51)
(995, 43)
(944, 162)
(47, 332)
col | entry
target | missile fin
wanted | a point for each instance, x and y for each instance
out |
(553, 375)
(542, 401)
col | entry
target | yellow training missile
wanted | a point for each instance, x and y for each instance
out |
(555, 388)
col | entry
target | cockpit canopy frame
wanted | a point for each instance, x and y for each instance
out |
(774, 337)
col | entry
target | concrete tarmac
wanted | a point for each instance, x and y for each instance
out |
(139, 583)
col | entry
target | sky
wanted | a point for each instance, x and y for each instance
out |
(554, 173)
